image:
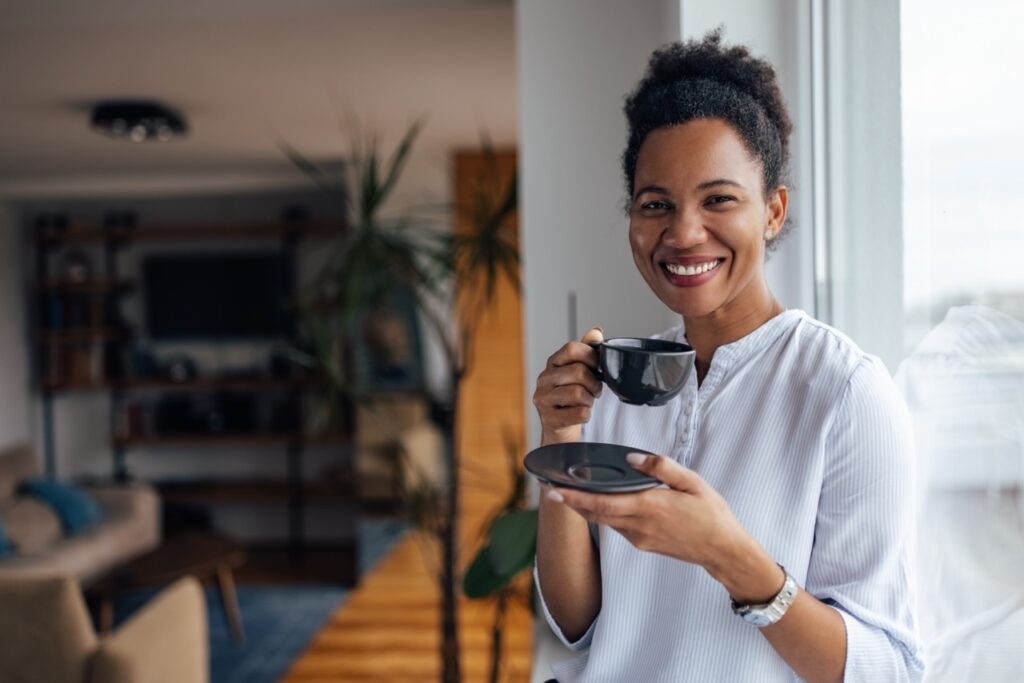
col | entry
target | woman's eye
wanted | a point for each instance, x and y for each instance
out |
(719, 199)
(654, 208)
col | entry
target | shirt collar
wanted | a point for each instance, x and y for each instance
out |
(760, 338)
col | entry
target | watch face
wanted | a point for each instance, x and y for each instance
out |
(757, 618)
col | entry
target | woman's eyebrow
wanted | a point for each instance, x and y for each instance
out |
(719, 181)
(657, 189)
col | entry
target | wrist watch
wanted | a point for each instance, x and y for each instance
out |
(768, 614)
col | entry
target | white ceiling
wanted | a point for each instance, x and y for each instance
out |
(246, 74)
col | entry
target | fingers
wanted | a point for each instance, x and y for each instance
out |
(569, 396)
(578, 352)
(594, 336)
(601, 508)
(577, 374)
(573, 352)
(667, 471)
(567, 387)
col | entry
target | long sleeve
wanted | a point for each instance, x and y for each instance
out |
(862, 557)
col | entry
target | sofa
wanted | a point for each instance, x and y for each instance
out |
(130, 526)
(46, 635)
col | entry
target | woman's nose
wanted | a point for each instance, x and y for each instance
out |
(685, 230)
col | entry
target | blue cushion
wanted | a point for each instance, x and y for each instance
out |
(6, 547)
(76, 509)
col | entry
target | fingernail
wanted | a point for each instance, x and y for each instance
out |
(555, 496)
(636, 458)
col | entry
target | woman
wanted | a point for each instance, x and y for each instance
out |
(781, 543)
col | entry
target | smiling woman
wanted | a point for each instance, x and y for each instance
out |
(786, 459)
(698, 230)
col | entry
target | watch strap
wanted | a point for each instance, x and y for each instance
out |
(773, 611)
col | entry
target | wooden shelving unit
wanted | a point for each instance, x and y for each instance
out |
(237, 439)
(87, 234)
(81, 345)
(247, 490)
(95, 286)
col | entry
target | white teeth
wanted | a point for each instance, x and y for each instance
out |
(690, 270)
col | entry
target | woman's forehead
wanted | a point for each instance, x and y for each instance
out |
(693, 152)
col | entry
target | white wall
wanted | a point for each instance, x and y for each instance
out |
(15, 424)
(577, 60)
(777, 31)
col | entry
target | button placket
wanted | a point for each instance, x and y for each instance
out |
(684, 435)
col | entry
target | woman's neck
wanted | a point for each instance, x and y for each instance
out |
(732, 321)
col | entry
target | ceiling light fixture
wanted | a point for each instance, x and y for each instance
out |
(137, 120)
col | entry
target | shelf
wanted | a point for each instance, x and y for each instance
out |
(92, 286)
(68, 385)
(247, 491)
(83, 335)
(208, 233)
(258, 439)
(198, 385)
(215, 384)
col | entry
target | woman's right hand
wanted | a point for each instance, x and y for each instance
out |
(566, 390)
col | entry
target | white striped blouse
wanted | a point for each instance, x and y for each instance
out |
(809, 441)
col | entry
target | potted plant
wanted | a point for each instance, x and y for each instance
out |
(453, 279)
(510, 544)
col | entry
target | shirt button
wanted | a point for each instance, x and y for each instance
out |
(689, 408)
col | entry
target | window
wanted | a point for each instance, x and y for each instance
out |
(963, 327)
(963, 159)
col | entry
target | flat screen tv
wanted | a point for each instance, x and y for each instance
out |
(238, 295)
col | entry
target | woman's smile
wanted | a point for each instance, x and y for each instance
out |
(691, 271)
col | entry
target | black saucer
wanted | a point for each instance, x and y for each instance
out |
(594, 467)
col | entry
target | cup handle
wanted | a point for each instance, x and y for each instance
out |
(597, 371)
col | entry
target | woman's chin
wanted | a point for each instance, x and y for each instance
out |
(689, 306)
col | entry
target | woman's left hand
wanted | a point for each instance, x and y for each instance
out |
(689, 520)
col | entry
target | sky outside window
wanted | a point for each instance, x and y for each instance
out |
(963, 165)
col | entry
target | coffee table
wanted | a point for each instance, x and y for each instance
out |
(209, 557)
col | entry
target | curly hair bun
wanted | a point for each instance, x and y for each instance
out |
(734, 66)
(702, 79)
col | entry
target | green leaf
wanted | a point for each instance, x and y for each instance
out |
(480, 579)
(315, 174)
(510, 550)
(513, 542)
(398, 158)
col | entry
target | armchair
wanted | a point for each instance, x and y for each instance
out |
(46, 635)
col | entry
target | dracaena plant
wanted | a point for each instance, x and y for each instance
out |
(452, 278)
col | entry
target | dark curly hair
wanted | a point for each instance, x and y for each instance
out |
(701, 80)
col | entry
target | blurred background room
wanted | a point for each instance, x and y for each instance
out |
(277, 276)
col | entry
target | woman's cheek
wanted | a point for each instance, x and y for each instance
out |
(641, 241)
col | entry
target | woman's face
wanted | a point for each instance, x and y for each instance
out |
(698, 218)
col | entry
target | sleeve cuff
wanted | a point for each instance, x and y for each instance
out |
(872, 656)
(581, 643)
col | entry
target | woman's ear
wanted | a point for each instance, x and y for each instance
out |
(778, 205)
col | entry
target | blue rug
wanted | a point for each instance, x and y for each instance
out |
(279, 621)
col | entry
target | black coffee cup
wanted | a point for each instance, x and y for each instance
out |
(644, 371)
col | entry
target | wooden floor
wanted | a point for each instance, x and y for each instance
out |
(388, 630)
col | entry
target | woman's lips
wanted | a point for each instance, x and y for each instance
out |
(691, 275)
